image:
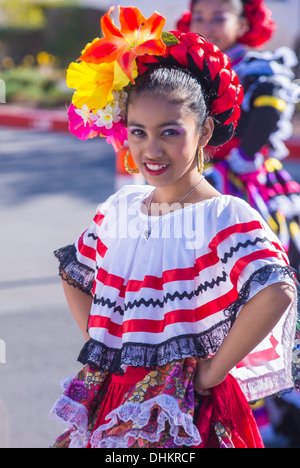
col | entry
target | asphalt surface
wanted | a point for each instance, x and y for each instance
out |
(50, 187)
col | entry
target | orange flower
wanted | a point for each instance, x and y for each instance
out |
(136, 36)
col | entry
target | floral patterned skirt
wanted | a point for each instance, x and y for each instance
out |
(153, 408)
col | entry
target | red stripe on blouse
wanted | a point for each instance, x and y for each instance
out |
(154, 282)
(182, 315)
(236, 229)
(101, 248)
(170, 318)
(183, 274)
(244, 261)
(260, 358)
(86, 250)
(179, 274)
(99, 218)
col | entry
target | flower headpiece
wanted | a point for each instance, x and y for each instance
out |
(110, 65)
(261, 24)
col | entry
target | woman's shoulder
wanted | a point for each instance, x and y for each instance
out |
(227, 202)
(226, 210)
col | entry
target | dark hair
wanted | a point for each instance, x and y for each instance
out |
(180, 86)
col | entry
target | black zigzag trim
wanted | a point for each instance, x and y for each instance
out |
(244, 245)
(101, 357)
(161, 303)
(185, 295)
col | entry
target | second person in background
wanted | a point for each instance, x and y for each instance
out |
(249, 166)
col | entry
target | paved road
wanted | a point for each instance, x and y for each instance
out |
(50, 186)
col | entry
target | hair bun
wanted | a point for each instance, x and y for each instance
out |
(212, 69)
(261, 24)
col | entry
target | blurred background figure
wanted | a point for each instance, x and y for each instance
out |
(249, 165)
(285, 13)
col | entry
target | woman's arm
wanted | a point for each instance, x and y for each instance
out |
(80, 304)
(254, 322)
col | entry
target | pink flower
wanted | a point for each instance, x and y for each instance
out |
(80, 125)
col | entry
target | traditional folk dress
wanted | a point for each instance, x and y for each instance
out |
(249, 166)
(159, 303)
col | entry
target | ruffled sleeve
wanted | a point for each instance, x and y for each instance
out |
(253, 259)
(77, 262)
(248, 250)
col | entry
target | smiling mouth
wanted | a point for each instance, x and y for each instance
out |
(155, 169)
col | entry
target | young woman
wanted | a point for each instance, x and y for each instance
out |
(185, 296)
(249, 166)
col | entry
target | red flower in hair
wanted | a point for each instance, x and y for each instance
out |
(261, 24)
(183, 24)
(207, 62)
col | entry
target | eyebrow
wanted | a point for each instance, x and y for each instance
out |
(216, 12)
(166, 124)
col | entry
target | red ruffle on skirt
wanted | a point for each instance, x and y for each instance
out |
(228, 412)
(225, 419)
(117, 389)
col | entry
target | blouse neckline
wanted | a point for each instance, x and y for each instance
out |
(179, 210)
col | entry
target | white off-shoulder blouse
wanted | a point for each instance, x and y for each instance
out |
(178, 293)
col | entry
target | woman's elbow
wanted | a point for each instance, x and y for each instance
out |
(282, 295)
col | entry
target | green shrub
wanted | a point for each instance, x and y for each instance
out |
(30, 86)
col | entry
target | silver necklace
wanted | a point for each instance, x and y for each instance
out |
(147, 233)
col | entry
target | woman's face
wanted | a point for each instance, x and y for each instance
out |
(218, 23)
(163, 140)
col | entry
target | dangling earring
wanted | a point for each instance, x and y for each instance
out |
(200, 160)
(127, 167)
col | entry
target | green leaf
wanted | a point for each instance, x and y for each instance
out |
(169, 39)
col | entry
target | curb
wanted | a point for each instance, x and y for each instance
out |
(57, 121)
(44, 120)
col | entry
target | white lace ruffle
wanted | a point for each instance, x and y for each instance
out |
(73, 415)
(140, 414)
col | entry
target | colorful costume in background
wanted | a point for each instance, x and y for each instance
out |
(160, 302)
(249, 166)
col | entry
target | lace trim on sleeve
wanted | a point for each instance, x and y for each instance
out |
(99, 356)
(72, 271)
(260, 278)
(272, 274)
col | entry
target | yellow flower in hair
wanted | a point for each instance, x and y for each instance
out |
(94, 84)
